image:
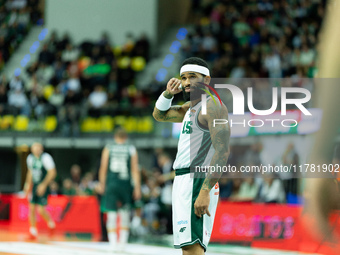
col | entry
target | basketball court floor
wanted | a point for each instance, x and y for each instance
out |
(15, 243)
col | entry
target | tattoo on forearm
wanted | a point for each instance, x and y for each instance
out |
(220, 140)
(174, 114)
(167, 115)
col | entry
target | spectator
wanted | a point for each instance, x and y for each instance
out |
(307, 56)
(54, 188)
(87, 185)
(19, 101)
(151, 194)
(16, 83)
(290, 157)
(247, 192)
(73, 83)
(272, 64)
(3, 100)
(45, 56)
(23, 18)
(75, 174)
(271, 190)
(68, 188)
(165, 180)
(37, 102)
(33, 84)
(97, 100)
(44, 73)
(252, 155)
(56, 99)
(142, 47)
(69, 54)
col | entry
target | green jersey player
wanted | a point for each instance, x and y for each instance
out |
(120, 182)
(41, 172)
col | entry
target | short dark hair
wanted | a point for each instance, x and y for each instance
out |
(195, 61)
(120, 132)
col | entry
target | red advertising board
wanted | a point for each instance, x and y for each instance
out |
(273, 226)
(71, 214)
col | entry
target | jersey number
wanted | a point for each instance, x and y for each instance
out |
(119, 166)
(187, 127)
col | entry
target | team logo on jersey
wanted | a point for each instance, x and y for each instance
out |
(192, 113)
(182, 229)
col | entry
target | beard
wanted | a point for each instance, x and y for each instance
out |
(195, 93)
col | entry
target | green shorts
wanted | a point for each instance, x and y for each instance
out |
(39, 200)
(117, 195)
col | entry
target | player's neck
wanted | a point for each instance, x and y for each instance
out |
(194, 102)
(120, 141)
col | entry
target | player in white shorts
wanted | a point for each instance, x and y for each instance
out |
(200, 144)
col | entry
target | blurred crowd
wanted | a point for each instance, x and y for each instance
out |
(254, 39)
(16, 19)
(274, 39)
(74, 81)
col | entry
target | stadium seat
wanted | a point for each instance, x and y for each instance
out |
(50, 124)
(145, 125)
(21, 123)
(138, 64)
(117, 51)
(124, 62)
(130, 124)
(48, 91)
(7, 122)
(119, 120)
(90, 125)
(106, 124)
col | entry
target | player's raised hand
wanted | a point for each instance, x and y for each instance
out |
(202, 204)
(173, 86)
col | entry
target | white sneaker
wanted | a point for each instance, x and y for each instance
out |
(121, 247)
(113, 248)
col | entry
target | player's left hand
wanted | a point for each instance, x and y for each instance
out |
(41, 189)
(202, 203)
(137, 194)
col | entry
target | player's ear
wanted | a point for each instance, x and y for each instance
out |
(207, 80)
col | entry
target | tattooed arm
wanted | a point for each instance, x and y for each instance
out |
(175, 113)
(220, 135)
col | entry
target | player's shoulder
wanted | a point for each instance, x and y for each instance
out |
(186, 106)
(29, 157)
(214, 104)
(45, 154)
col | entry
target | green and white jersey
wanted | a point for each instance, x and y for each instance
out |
(39, 166)
(194, 145)
(119, 167)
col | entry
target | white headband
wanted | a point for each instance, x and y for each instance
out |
(195, 68)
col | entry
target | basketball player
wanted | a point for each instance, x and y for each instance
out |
(41, 172)
(194, 199)
(323, 193)
(118, 168)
